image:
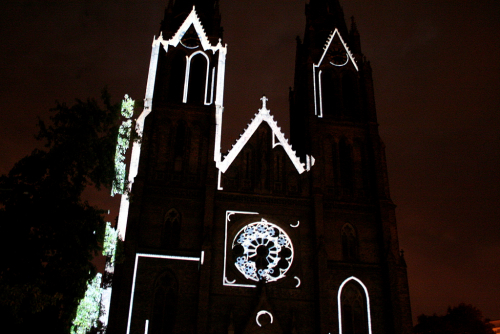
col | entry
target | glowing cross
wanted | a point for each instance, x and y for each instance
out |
(264, 109)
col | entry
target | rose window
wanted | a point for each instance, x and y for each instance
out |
(263, 251)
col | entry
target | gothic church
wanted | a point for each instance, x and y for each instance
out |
(276, 235)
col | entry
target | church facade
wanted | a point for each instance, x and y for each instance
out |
(277, 235)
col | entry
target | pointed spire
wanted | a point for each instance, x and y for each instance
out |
(326, 15)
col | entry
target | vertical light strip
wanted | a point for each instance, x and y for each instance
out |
(315, 92)
(147, 327)
(186, 80)
(320, 94)
(339, 303)
(212, 88)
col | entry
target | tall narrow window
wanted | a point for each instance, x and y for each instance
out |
(354, 317)
(164, 304)
(349, 243)
(176, 79)
(171, 229)
(197, 79)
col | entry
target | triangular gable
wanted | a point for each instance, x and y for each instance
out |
(327, 46)
(278, 139)
(191, 20)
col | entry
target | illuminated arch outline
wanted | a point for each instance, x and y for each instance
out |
(339, 303)
(189, 59)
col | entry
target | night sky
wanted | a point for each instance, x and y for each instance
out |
(437, 89)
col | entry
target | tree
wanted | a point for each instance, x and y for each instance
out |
(49, 233)
(462, 319)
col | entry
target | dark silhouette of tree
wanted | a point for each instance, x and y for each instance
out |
(462, 319)
(49, 233)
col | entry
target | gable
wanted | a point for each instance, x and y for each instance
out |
(262, 153)
(191, 34)
(336, 52)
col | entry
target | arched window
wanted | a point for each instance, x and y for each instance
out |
(164, 304)
(354, 307)
(177, 75)
(197, 79)
(171, 229)
(349, 243)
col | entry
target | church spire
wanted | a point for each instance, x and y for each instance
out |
(326, 15)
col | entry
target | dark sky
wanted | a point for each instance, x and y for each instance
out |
(437, 81)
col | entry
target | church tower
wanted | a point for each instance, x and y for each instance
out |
(273, 236)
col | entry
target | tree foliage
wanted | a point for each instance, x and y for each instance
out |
(462, 319)
(49, 233)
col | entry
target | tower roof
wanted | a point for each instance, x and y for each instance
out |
(326, 15)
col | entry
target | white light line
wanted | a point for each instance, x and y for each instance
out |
(339, 304)
(225, 281)
(154, 256)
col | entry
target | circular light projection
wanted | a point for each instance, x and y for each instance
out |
(263, 251)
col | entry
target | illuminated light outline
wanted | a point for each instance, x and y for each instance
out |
(339, 304)
(261, 313)
(202, 257)
(320, 95)
(256, 234)
(316, 66)
(225, 281)
(194, 20)
(153, 256)
(188, 47)
(298, 281)
(263, 115)
(146, 329)
(189, 59)
(296, 225)
(340, 65)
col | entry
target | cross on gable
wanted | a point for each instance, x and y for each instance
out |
(264, 100)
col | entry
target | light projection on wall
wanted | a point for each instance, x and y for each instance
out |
(336, 54)
(339, 303)
(122, 144)
(260, 313)
(265, 251)
(192, 21)
(154, 256)
(278, 137)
